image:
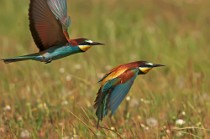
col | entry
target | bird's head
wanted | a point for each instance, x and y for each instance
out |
(145, 67)
(85, 44)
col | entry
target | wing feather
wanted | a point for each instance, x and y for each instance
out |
(117, 71)
(120, 91)
(45, 28)
(59, 9)
(111, 94)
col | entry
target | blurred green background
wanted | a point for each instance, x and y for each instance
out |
(56, 100)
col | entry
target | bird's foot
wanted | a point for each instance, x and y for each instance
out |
(44, 59)
(48, 61)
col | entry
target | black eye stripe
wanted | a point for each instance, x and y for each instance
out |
(145, 66)
(84, 43)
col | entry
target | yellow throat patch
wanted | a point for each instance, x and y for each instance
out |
(84, 47)
(144, 69)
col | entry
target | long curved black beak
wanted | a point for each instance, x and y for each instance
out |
(97, 43)
(157, 65)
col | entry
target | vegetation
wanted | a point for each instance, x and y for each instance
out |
(56, 100)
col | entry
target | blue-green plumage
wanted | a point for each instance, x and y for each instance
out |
(120, 91)
(112, 93)
(116, 84)
(53, 53)
(58, 52)
(49, 24)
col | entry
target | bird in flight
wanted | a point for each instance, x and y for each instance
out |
(49, 25)
(116, 84)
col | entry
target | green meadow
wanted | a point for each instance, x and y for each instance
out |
(56, 100)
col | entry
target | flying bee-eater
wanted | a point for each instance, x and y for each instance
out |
(116, 84)
(49, 25)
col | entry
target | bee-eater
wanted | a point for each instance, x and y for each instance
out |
(49, 23)
(116, 84)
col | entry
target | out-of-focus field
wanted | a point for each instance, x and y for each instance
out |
(56, 100)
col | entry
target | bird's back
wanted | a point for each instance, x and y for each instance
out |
(117, 71)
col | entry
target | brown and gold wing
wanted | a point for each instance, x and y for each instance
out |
(117, 71)
(45, 28)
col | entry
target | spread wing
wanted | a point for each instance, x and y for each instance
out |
(45, 28)
(59, 9)
(111, 94)
(122, 89)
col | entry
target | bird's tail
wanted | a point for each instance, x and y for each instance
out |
(19, 58)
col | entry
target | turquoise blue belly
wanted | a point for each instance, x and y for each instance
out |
(58, 52)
